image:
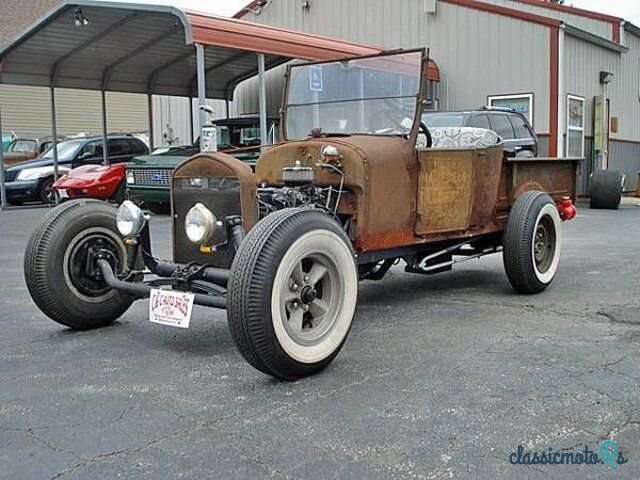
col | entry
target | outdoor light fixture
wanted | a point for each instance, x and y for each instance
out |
(200, 224)
(605, 78)
(80, 19)
(306, 4)
(130, 219)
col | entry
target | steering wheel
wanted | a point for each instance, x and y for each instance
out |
(427, 133)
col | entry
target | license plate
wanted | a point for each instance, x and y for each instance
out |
(169, 307)
(63, 193)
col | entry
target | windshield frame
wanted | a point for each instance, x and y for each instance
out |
(420, 101)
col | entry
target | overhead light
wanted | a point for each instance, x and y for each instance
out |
(80, 19)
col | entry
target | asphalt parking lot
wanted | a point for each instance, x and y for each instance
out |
(442, 377)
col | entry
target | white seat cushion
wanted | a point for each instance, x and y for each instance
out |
(460, 137)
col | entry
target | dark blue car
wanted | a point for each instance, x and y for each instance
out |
(32, 180)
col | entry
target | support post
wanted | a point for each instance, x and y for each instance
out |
(191, 139)
(3, 190)
(226, 107)
(262, 94)
(562, 99)
(202, 90)
(105, 141)
(54, 134)
(150, 113)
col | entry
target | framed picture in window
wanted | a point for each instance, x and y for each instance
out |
(575, 126)
(521, 103)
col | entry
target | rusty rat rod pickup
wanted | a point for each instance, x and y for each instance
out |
(356, 185)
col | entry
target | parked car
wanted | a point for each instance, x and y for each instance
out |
(347, 196)
(33, 180)
(103, 182)
(23, 149)
(518, 136)
(149, 177)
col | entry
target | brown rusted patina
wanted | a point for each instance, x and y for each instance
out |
(394, 194)
(407, 197)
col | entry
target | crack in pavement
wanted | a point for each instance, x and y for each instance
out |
(107, 455)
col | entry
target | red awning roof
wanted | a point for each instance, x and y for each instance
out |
(142, 48)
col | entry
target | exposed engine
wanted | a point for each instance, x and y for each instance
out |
(299, 190)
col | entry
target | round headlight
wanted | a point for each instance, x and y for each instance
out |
(130, 219)
(200, 223)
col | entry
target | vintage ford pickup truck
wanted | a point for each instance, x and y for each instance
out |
(357, 184)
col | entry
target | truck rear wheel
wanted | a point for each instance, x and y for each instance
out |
(58, 277)
(292, 293)
(605, 190)
(532, 242)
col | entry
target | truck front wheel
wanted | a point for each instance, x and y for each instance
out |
(59, 276)
(292, 293)
(532, 242)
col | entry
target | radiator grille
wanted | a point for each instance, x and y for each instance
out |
(222, 197)
(157, 177)
(10, 176)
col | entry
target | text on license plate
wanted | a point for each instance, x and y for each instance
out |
(170, 307)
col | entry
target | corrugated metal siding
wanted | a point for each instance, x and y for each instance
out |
(583, 63)
(26, 110)
(174, 112)
(479, 54)
(625, 157)
(597, 27)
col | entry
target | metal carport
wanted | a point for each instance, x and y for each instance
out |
(153, 49)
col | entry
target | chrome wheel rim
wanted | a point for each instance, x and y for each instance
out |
(544, 244)
(314, 329)
(310, 298)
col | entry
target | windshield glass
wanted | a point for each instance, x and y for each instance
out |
(364, 96)
(23, 146)
(66, 150)
(443, 120)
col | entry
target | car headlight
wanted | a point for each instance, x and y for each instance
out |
(200, 224)
(131, 178)
(130, 219)
(33, 173)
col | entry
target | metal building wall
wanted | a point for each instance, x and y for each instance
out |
(597, 27)
(584, 62)
(171, 120)
(479, 53)
(26, 110)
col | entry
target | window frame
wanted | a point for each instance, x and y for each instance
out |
(515, 96)
(570, 128)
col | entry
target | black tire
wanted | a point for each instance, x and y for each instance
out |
(47, 194)
(605, 189)
(532, 242)
(57, 283)
(263, 274)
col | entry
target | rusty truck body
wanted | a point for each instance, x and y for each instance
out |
(356, 185)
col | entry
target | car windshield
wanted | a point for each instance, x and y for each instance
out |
(443, 119)
(375, 95)
(66, 150)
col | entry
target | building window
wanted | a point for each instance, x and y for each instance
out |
(575, 126)
(521, 103)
